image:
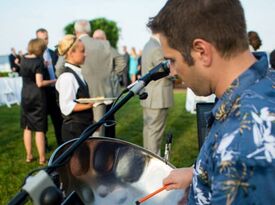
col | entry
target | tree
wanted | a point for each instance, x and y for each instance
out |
(109, 27)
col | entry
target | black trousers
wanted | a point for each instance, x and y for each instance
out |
(54, 112)
(71, 130)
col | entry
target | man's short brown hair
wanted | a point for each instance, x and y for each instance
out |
(37, 47)
(220, 22)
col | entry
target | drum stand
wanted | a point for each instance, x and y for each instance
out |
(167, 149)
(41, 187)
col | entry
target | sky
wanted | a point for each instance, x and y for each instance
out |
(20, 19)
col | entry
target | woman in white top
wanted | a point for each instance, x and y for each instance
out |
(70, 86)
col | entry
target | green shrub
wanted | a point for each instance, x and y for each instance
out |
(4, 74)
(108, 26)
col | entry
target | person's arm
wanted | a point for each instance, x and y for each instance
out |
(39, 80)
(179, 178)
(17, 61)
(67, 87)
(244, 174)
(60, 66)
(119, 61)
(81, 107)
(42, 83)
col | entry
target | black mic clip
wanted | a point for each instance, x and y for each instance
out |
(158, 72)
(143, 95)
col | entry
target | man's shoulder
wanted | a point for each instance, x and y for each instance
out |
(11, 56)
(152, 43)
(150, 48)
(260, 93)
(52, 52)
(95, 42)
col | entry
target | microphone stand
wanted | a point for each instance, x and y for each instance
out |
(21, 197)
(36, 184)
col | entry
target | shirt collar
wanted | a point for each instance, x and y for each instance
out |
(82, 35)
(155, 38)
(73, 67)
(231, 96)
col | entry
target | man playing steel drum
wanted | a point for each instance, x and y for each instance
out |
(206, 42)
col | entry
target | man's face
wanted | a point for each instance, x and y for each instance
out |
(43, 36)
(192, 76)
(124, 49)
(177, 63)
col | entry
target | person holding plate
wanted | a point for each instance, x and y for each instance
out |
(71, 86)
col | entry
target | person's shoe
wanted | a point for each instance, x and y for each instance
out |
(29, 160)
(43, 162)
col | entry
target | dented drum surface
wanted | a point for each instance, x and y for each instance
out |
(107, 171)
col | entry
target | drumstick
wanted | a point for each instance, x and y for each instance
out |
(150, 195)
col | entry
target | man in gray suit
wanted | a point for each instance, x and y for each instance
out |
(116, 88)
(99, 64)
(160, 97)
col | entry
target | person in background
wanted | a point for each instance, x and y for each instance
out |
(254, 40)
(125, 75)
(101, 35)
(98, 66)
(255, 43)
(18, 58)
(133, 65)
(236, 164)
(110, 129)
(138, 75)
(33, 103)
(272, 59)
(70, 86)
(53, 110)
(12, 60)
(160, 97)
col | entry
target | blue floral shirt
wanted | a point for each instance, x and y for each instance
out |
(236, 164)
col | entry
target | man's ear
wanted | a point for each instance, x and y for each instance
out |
(202, 51)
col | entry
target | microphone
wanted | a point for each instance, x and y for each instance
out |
(159, 71)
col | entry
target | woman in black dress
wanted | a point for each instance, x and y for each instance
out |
(33, 102)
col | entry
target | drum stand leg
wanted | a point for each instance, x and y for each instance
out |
(167, 150)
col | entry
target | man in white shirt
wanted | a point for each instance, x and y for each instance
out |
(50, 59)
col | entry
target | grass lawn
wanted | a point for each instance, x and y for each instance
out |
(13, 168)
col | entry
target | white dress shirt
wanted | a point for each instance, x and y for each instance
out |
(67, 87)
(47, 57)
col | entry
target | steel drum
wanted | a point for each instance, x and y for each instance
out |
(107, 171)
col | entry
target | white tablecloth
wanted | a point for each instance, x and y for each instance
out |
(192, 100)
(10, 90)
